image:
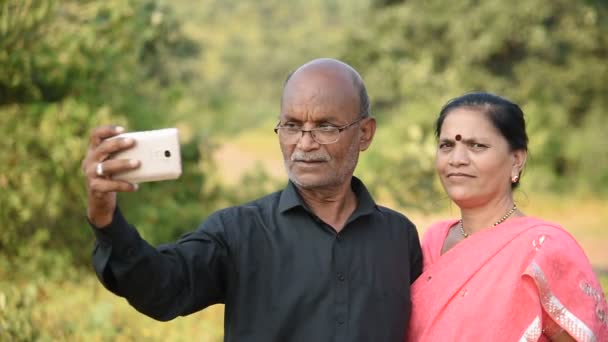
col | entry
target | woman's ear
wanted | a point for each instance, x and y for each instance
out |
(519, 162)
(368, 129)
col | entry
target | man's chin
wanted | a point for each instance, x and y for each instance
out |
(311, 182)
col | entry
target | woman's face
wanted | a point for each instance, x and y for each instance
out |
(474, 161)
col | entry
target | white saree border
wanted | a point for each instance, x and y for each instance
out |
(556, 310)
(533, 332)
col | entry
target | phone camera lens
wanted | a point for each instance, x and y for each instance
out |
(167, 153)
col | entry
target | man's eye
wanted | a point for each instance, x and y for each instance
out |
(444, 145)
(291, 125)
(327, 128)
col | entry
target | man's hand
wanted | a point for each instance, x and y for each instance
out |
(98, 170)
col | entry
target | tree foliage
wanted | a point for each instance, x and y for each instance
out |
(67, 67)
(247, 50)
(550, 57)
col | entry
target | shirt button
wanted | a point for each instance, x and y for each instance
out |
(340, 321)
(341, 276)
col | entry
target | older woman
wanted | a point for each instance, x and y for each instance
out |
(496, 274)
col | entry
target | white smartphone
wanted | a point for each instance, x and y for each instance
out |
(159, 154)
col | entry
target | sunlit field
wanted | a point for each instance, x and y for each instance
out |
(84, 311)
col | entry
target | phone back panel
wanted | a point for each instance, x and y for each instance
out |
(159, 154)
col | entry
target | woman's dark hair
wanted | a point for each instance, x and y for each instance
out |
(505, 115)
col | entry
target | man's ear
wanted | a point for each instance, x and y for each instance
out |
(368, 129)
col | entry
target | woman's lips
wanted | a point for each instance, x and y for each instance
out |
(459, 175)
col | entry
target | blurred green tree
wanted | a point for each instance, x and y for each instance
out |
(68, 66)
(249, 47)
(550, 57)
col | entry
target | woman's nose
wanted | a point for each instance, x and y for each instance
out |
(459, 156)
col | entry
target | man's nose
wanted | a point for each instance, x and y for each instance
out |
(307, 142)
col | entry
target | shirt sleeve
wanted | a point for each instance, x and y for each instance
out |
(415, 256)
(166, 281)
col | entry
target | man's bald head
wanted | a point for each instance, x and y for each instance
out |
(336, 69)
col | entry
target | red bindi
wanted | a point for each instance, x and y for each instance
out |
(457, 137)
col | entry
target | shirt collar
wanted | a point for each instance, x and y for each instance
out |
(290, 198)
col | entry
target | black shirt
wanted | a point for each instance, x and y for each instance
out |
(283, 274)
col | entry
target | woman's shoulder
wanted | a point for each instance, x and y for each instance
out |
(433, 239)
(438, 229)
(552, 236)
(541, 226)
(442, 224)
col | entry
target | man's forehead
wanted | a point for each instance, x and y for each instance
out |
(325, 74)
(319, 93)
(322, 90)
(312, 110)
(319, 82)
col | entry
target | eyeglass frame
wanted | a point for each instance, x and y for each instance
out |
(302, 131)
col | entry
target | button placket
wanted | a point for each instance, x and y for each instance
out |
(341, 287)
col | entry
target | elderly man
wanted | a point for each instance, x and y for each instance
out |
(317, 261)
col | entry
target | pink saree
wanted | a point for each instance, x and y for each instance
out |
(523, 280)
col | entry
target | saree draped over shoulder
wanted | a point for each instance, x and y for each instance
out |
(523, 280)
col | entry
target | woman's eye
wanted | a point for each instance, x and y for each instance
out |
(444, 145)
(478, 146)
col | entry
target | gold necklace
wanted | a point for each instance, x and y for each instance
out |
(502, 219)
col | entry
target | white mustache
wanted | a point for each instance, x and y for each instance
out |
(309, 157)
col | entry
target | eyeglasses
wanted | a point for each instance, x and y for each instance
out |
(290, 134)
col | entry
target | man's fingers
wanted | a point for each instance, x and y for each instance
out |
(102, 186)
(98, 134)
(112, 166)
(107, 147)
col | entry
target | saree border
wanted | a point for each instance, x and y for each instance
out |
(533, 332)
(556, 310)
